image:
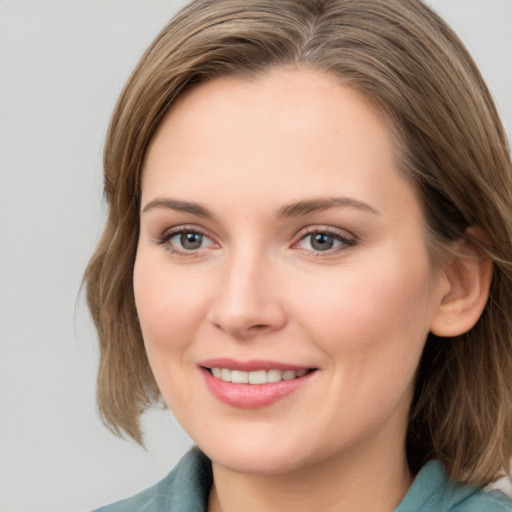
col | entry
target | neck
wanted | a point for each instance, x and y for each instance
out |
(375, 483)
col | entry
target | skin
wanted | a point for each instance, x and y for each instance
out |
(256, 288)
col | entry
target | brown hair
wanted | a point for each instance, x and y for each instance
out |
(450, 143)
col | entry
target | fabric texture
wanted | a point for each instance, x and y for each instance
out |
(187, 486)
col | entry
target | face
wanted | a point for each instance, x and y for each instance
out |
(282, 280)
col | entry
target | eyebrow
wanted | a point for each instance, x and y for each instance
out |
(295, 209)
(300, 208)
(182, 206)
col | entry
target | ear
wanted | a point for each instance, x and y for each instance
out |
(464, 287)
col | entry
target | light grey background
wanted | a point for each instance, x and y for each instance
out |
(62, 64)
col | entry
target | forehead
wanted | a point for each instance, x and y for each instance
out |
(296, 130)
(303, 92)
(298, 104)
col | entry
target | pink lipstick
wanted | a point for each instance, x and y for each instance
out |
(252, 384)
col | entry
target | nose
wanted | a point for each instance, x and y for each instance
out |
(248, 300)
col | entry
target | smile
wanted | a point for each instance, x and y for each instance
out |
(256, 377)
(253, 384)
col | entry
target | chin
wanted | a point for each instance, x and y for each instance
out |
(256, 462)
(253, 455)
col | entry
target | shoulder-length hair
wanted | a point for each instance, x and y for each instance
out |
(449, 142)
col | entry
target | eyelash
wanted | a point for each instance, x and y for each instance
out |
(167, 236)
(344, 241)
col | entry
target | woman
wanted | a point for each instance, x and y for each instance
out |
(308, 256)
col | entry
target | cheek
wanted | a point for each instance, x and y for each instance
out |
(169, 303)
(170, 307)
(383, 310)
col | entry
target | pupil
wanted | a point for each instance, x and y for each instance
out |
(322, 242)
(191, 240)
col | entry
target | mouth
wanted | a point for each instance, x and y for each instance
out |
(257, 377)
(253, 384)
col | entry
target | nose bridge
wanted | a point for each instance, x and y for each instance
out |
(247, 300)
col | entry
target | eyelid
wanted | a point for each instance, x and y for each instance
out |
(165, 236)
(174, 230)
(348, 239)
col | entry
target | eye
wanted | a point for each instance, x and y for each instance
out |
(183, 240)
(324, 241)
(188, 241)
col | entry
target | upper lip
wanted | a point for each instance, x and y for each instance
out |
(251, 365)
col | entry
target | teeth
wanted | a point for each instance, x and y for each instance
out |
(259, 377)
(256, 377)
(274, 375)
(239, 377)
(289, 374)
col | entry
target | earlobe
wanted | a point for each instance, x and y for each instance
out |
(467, 280)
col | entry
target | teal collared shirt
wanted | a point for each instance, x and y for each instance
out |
(187, 486)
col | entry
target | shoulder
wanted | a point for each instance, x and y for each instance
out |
(184, 489)
(433, 491)
(478, 500)
(492, 501)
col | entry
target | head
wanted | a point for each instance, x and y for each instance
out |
(448, 144)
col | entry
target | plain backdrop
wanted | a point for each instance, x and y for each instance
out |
(62, 65)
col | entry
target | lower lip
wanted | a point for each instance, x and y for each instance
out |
(252, 396)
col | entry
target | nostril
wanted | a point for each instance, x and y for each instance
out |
(242, 318)
(258, 328)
